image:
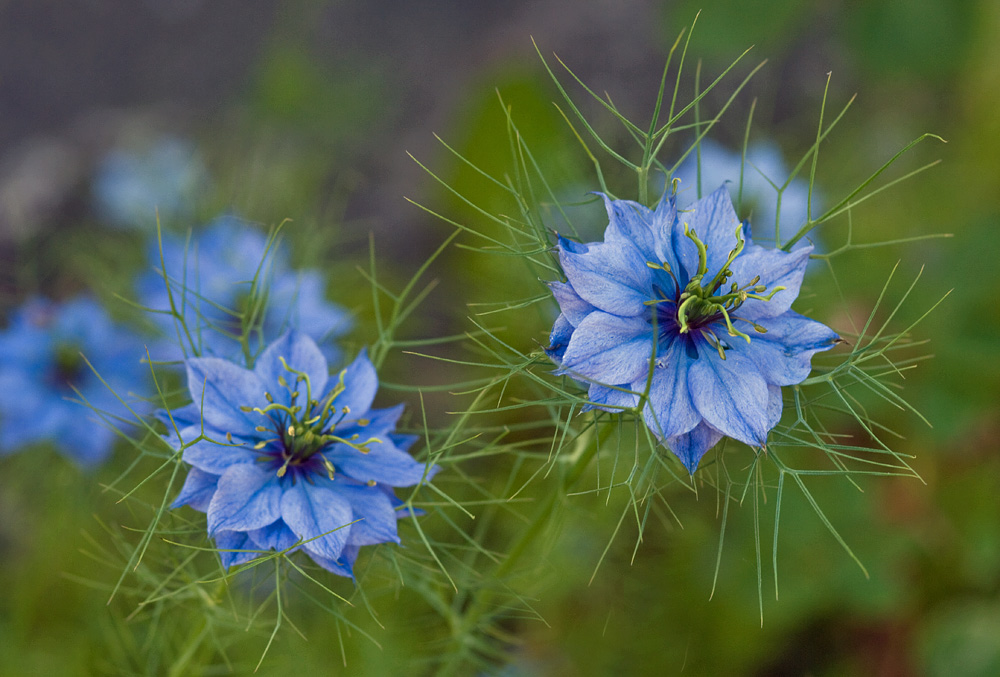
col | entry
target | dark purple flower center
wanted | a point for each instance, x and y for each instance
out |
(305, 428)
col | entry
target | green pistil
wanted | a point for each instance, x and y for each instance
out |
(309, 427)
(700, 304)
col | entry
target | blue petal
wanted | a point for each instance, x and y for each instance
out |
(613, 276)
(774, 406)
(342, 566)
(247, 497)
(188, 415)
(670, 410)
(648, 230)
(775, 268)
(198, 489)
(572, 246)
(310, 510)
(691, 446)
(276, 536)
(562, 330)
(384, 463)
(730, 394)
(373, 508)
(403, 442)
(784, 353)
(226, 387)
(570, 303)
(383, 421)
(360, 383)
(609, 349)
(298, 300)
(301, 354)
(217, 457)
(234, 540)
(610, 399)
(715, 222)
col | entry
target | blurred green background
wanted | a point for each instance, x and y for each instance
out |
(306, 111)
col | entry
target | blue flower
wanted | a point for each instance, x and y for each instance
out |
(130, 188)
(763, 163)
(295, 455)
(41, 372)
(686, 302)
(211, 278)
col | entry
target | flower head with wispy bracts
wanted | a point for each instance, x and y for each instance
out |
(293, 457)
(48, 392)
(682, 307)
(212, 286)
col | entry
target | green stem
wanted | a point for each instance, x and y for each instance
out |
(481, 599)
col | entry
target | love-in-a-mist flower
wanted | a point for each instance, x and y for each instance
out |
(685, 303)
(44, 378)
(211, 282)
(293, 455)
(764, 165)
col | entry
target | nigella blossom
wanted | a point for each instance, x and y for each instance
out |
(764, 165)
(293, 455)
(46, 385)
(684, 301)
(131, 187)
(211, 283)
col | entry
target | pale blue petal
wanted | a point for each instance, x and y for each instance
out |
(715, 222)
(382, 421)
(384, 463)
(226, 388)
(669, 409)
(360, 382)
(247, 497)
(730, 394)
(198, 489)
(609, 349)
(691, 446)
(611, 399)
(276, 536)
(403, 442)
(562, 330)
(216, 458)
(374, 510)
(342, 566)
(234, 540)
(774, 406)
(570, 303)
(310, 510)
(299, 353)
(648, 230)
(612, 276)
(784, 353)
(189, 414)
(776, 269)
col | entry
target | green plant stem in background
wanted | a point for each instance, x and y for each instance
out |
(481, 600)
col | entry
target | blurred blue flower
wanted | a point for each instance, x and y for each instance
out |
(295, 455)
(130, 187)
(763, 162)
(211, 282)
(684, 301)
(44, 379)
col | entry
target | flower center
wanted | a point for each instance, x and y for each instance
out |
(305, 428)
(697, 307)
(68, 366)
